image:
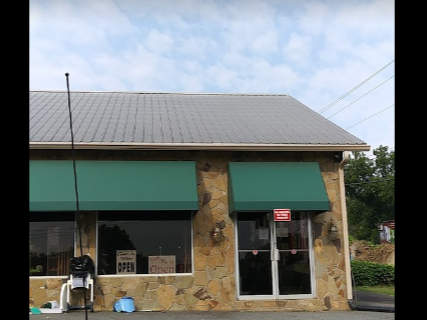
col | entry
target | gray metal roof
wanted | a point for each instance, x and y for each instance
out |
(181, 118)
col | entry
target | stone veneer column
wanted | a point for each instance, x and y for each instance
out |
(214, 262)
(86, 245)
(329, 254)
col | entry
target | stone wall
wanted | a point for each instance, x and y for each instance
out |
(213, 284)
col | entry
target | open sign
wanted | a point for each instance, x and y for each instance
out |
(161, 264)
(126, 261)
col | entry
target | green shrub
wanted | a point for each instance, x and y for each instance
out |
(372, 274)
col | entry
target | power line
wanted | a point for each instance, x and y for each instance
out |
(359, 85)
(370, 116)
(360, 97)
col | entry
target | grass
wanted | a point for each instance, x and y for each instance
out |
(388, 290)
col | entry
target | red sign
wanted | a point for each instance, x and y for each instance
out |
(282, 214)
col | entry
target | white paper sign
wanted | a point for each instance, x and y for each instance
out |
(161, 264)
(282, 232)
(125, 261)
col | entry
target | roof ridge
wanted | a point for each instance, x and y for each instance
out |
(179, 93)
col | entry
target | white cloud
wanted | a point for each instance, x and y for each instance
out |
(222, 77)
(159, 42)
(196, 47)
(265, 43)
(77, 23)
(314, 50)
(298, 49)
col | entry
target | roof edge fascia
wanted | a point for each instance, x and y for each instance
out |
(199, 146)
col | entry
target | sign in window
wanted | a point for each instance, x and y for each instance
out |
(126, 261)
(161, 264)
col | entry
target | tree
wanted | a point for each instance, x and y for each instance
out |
(370, 192)
(111, 239)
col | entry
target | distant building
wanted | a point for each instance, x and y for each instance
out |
(386, 230)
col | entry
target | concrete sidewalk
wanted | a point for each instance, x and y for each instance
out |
(217, 315)
(365, 306)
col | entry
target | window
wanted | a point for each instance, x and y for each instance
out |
(154, 242)
(51, 243)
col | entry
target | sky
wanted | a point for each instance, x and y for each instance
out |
(334, 56)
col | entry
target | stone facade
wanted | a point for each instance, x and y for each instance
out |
(213, 284)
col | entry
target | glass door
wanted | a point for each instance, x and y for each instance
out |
(254, 253)
(294, 255)
(274, 257)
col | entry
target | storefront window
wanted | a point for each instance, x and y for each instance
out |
(51, 243)
(143, 242)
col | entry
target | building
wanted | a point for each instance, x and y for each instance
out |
(387, 231)
(189, 201)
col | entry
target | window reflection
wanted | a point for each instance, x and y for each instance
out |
(153, 242)
(51, 241)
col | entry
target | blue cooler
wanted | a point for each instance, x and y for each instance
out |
(125, 304)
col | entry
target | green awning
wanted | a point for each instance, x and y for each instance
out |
(113, 185)
(259, 186)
